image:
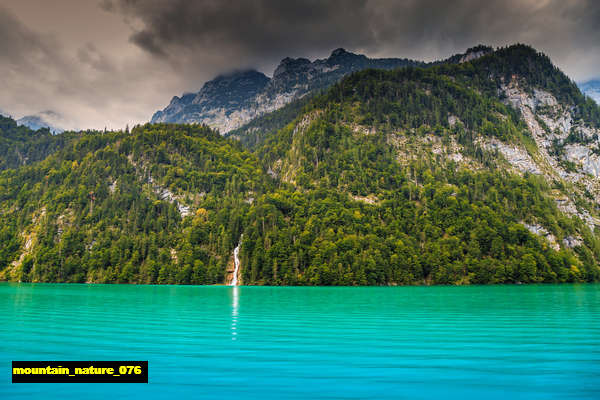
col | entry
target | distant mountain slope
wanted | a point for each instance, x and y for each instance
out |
(44, 119)
(20, 145)
(230, 101)
(592, 89)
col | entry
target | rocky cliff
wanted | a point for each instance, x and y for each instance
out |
(229, 101)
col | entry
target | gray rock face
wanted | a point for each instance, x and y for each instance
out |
(559, 138)
(517, 157)
(473, 54)
(583, 157)
(221, 102)
(571, 241)
(541, 231)
(229, 101)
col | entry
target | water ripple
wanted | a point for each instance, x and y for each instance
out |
(540, 341)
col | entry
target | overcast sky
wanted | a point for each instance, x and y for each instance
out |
(114, 62)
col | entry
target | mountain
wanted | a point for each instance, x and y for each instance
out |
(229, 101)
(472, 171)
(44, 119)
(480, 172)
(222, 102)
(592, 89)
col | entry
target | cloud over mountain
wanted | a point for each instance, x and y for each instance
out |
(113, 62)
(262, 31)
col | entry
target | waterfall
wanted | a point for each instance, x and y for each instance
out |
(236, 263)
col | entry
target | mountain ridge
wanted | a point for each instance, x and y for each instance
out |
(292, 79)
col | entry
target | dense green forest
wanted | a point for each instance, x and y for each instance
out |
(359, 185)
(20, 145)
(109, 207)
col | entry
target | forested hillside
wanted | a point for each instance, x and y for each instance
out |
(399, 184)
(465, 172)
(162, 204)
(20, 145)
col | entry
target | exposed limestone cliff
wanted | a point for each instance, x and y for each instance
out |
(568, 148)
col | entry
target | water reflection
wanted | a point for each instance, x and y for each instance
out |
(234, 312)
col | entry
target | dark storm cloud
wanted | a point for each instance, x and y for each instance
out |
(90, 55)
(21, 48)
(247, 32)
(112, 62)
(89, 86)
(28, 60)
(261, 32)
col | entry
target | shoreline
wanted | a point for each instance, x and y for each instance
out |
(297, 286)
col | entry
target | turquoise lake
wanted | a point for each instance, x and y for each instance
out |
(211, 342)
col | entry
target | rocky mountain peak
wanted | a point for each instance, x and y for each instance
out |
(288, 65)
(347, 59)
(229, 101)
(338, 52)
(228, 78)
(239, 84)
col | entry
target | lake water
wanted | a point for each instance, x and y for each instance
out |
(495, 342)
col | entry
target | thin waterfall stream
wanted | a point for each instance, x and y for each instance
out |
(236, 263)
